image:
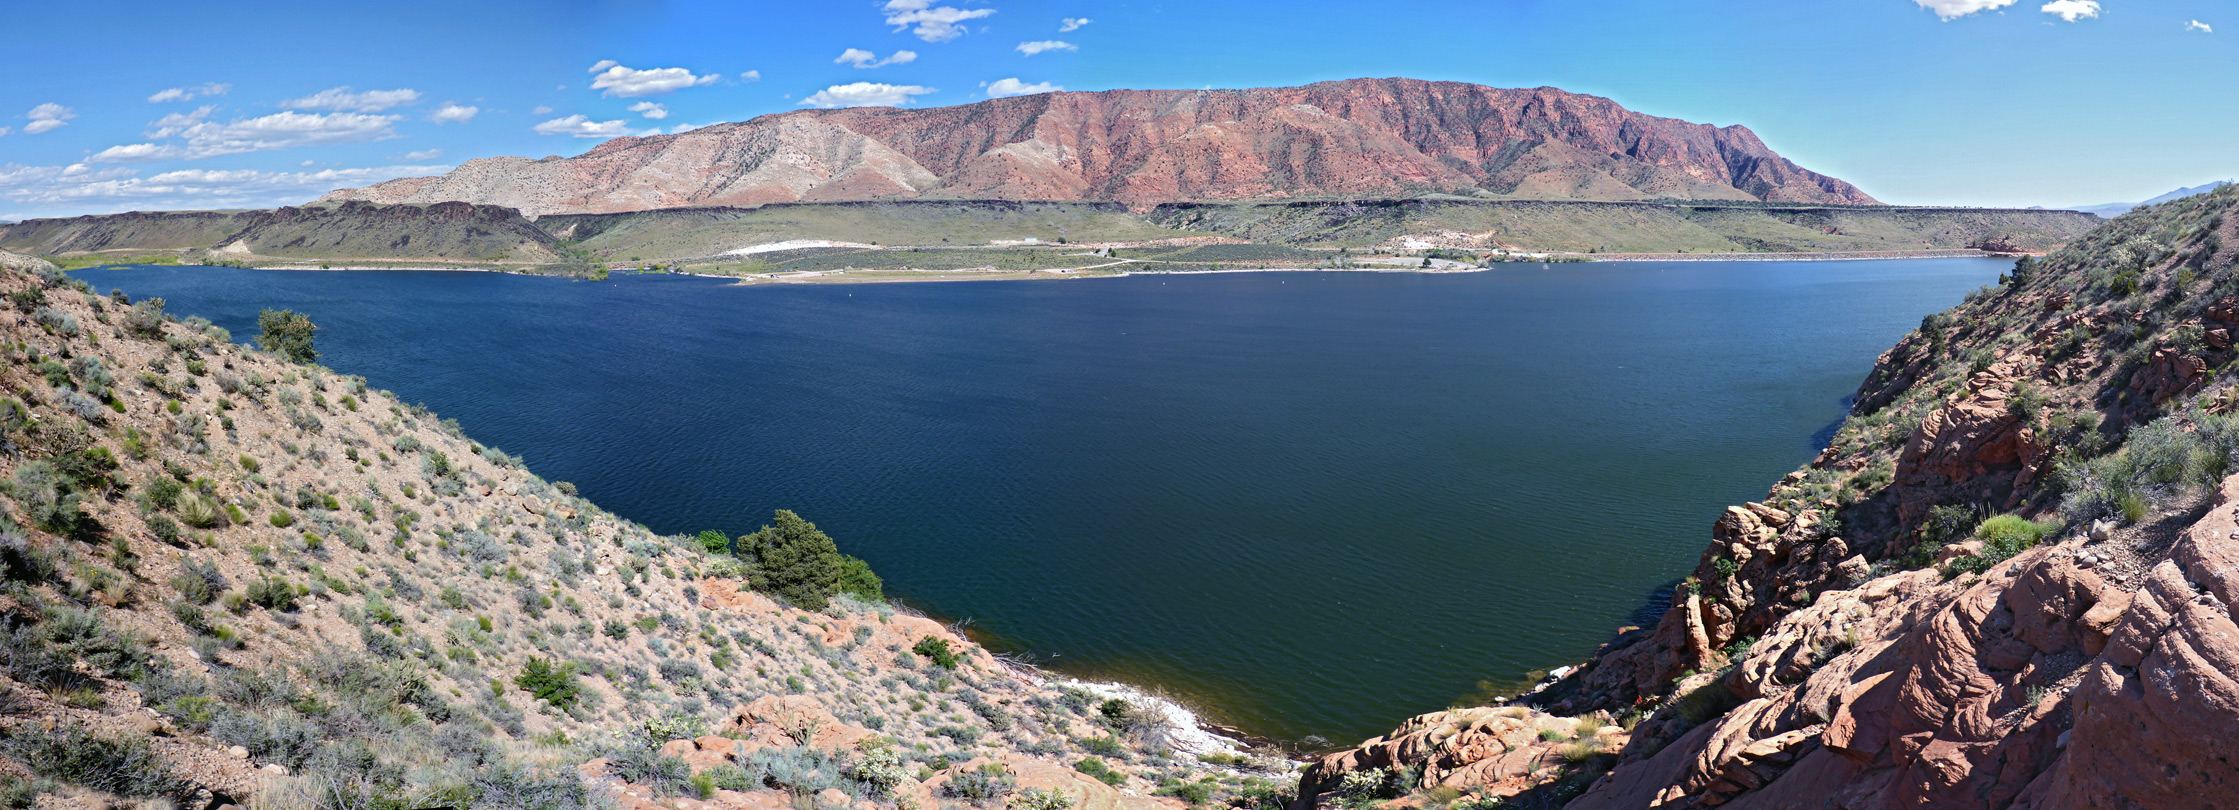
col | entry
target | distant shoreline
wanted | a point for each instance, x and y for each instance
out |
(1112, 271)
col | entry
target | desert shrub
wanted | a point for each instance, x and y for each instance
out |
(936, 650)
(1192, 793)
(1105, 746)
(124, 766)
(802, 771)
(511, 786)
(57, 320)
(878, 768)
(1098, 768)
(279, 735)
(2003, 536)
(162, 492)
(990, 781)
(2163, 460)
(145, 319)
(554, 684)
(288, 334)
(1370, 784)
(46, 497)
(271, 593)
(200, 511)
(199, 581)
(1042, 799)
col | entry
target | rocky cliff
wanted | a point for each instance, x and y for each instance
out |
(1361, 137)
(2008, 583)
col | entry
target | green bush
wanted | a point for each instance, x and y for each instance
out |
(200, 511)
(281, 519)
(271, 594)
(554, 684)
(2167, 458)
(1194, 793)
(794, 561)
(288, 334)
(937, 651)
(2003, 536)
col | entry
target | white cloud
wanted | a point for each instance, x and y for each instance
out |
(2072, 10)
(583, 127)
(1954, 9)
(138, 153)
(751, 76)
(341, 98)
(1005, 88)
(5, 130)
(1032, 48)
(683, 128)
(929, 22)
(175, 123)
(863, 59)
(48, 117)
(650, 110)
(421, 156)
(866, 94)
(541, 110)
(2196, 25)
(190, 93)
(625, 82)
(603, 64)
(454, 114)
(83, 189)
(1071, 24)
(284, 130)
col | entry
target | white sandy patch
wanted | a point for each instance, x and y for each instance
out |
(793, 244)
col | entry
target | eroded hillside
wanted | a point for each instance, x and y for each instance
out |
(234, 579)
(2008, 583)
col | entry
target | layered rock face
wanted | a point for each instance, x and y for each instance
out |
(354, 229)
(1867, 639)
(1142, 147)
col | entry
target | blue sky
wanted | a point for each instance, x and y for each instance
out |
(165, 105)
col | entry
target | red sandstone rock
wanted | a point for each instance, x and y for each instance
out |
(1143, 147)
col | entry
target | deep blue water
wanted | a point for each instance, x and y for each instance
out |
(1313, 503)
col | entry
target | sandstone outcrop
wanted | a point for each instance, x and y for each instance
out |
(1373, 137)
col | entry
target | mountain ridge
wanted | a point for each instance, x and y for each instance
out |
(1143, 147)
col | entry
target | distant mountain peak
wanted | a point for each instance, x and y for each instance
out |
(1357, 137)
(2112, 210)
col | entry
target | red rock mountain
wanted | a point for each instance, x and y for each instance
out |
(1384, 137)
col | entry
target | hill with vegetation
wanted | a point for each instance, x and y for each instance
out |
(441, 232)
(1010, 235)
(233, 576)
(678, 233)
(1358, 137)
(1640, 227)
(2007, 583)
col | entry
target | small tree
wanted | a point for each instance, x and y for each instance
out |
(549, 683)
(287, 333)
(793, 560)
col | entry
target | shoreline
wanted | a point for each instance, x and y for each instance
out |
(1105, 271)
